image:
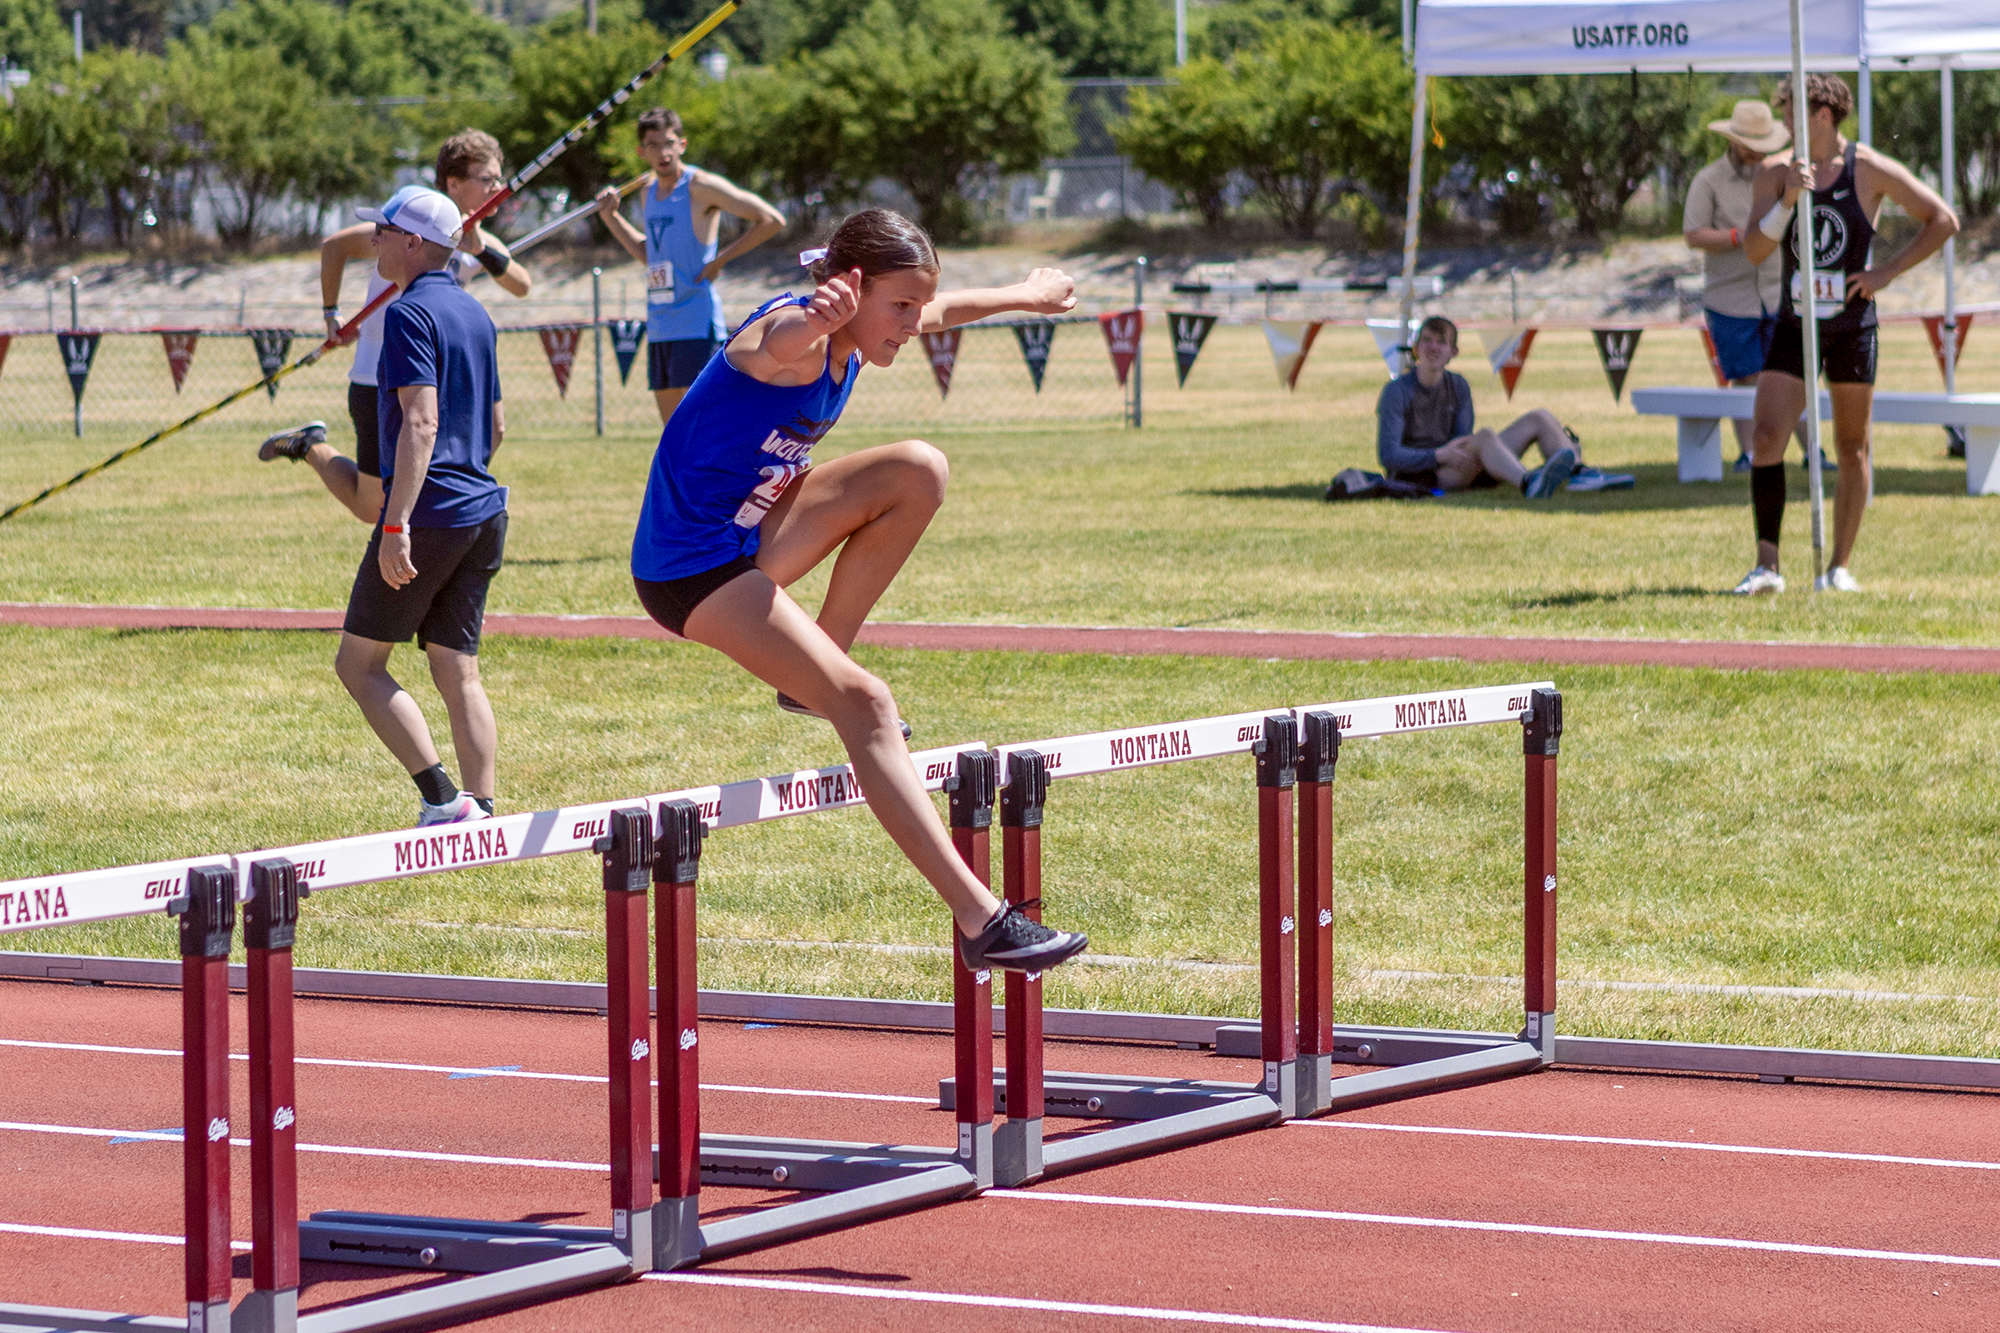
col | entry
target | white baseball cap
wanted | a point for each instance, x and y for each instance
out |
(421, 211)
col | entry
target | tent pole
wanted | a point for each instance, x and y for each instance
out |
(1948, 179)
(1865, 105)
(1802, 233)
(1413, 210)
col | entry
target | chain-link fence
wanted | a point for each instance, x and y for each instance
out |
(128, 389)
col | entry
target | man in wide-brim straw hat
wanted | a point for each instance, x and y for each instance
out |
(1739, 299)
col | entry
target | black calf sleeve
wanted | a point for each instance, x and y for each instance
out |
(1767, 500)
(435, 784)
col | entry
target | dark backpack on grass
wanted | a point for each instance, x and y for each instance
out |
(1355, 484)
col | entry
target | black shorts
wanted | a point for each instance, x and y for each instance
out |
(363, 403)
(446, 603)
(672, 601)
(1846, 356)
(674, 365)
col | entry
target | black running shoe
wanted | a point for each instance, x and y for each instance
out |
(791, 705)
(1015, 943)
(294, 444)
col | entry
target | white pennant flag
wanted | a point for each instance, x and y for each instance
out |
(1290, 340)
(1390, 340)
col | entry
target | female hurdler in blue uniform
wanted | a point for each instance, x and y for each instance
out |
(735, 512)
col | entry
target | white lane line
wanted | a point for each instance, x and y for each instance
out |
(464, 1071)
(1509, 1228)
(1154, 1313)
(1748, 1149)
(84, 1233)
(336, 1149)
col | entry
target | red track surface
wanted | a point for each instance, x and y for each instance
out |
(1729, 655)
(1387, 1260)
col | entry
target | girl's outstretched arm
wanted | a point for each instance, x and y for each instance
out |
(1046, 291)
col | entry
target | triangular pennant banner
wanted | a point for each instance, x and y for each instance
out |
(1510, 356)
(180, 353)
(1121, 336)
(1615, 348)
(78, 351)
(1934, 330)
(943, 349)
(5, 338)
(560, 344)
(271, 345)
(627, 336)
(1391, 337)
(1714, 358)
(1036, 338)
(1190, 332)
(1290, 340)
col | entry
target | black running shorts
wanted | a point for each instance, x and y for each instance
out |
(446, 603)
(675, 364)
(1846, 356)
(363, 411)
(672, 601)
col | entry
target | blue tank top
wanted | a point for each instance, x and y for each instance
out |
(729, 451)
(679, 305)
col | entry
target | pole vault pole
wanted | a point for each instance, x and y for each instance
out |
(1803, 237)
(485, 210)
(1412, 213)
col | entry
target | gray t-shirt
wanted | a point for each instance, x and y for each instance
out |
(1720, 197)
(1432, 412)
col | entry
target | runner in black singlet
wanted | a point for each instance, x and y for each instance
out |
(1849, 183)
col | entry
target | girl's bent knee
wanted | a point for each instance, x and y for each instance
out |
(928, 462)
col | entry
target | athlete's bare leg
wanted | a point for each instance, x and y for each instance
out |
(874, 505)
(361, 493)
(1852, 405)
(668, 400)
(759, 626)
(474, 735)
(1539, 427)
(363, 667)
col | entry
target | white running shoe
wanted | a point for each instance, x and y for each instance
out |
(460, 809)
(1836, 579)
(1759, 581)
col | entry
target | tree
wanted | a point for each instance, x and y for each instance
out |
(33, 36)
(782, 131)
(1097, 38)
(144, 153)
(1591, 140)
(256, 117)
(1186, 136)
(452, 47)
(1909, 125)
(943, 95)
(344, 51)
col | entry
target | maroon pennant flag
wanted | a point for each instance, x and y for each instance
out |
(560, 344)
(1934, 330)
(180, 353)
(5, 339)
(943, 349)
(1121, 336)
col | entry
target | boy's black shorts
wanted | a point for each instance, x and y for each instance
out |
(446, 603)
(1846, 356)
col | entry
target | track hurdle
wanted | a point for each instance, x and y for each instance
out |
(202, 893)
(1295, 1033)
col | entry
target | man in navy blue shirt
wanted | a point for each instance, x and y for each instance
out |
(444, 521)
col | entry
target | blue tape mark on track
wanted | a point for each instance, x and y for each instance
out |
(488, 1072)
(151, 1135)
(754, 1027)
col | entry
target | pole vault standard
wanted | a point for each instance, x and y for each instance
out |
(347, 330)
(1805, 237)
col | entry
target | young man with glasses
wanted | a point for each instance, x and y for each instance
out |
(443, 525)
(469, 172)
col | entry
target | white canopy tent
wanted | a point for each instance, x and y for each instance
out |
(1495, 37)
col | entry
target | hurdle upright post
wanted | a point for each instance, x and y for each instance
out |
(270, 926)
(1277, 754)
(1319, 754)
(627, 849)
(971, 813)
(1541, 738)
(1017, 1158)
(207, 913)
(676, 866)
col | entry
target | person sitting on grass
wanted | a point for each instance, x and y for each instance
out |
(1425, 433)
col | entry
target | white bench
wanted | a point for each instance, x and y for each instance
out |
(1701, 412)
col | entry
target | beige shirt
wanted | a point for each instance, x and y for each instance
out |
(1731, 284)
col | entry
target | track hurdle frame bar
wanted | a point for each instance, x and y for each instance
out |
(1295, 1036)
(203, 897)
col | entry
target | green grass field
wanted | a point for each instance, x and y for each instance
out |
(1801, 830)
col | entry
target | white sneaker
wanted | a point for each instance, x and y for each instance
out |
(460, 809)
(1836, 579)
(1759, 581)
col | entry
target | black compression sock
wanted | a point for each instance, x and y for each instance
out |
(484, 803)
(435, 784)
(1767, 500)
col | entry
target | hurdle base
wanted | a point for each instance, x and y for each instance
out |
(1367, 1046)
(1112, 1096)
(1315, 1083)
(825, 1212)
(1540, 1033)
(676, 1226)
(1398, 1083)
(268, 1312)
(1017, 1152)
(436, 1244)
(590, 1266)
(55, 1319)
(752, 1161)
